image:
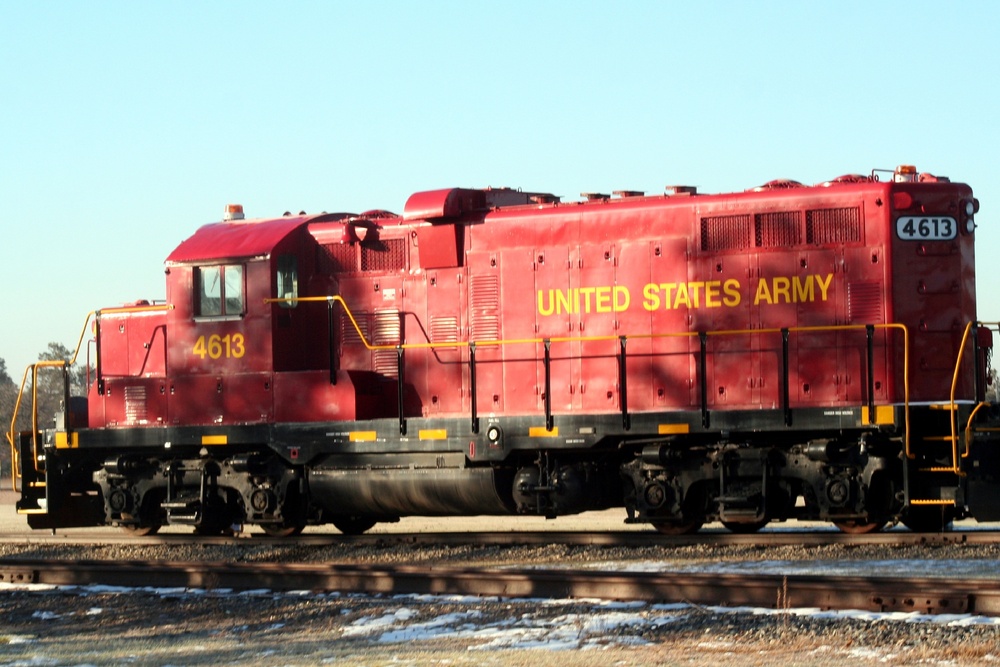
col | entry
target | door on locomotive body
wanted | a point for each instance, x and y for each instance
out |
(633, 320)
(300, 331)
(219, 358)
(435, 315)
(726, 258)
(371, 284)
(816, 357)
(596, 377)
(559, 306)
(376, 304)
(674, 352)
(864, 303)
(485, 324)
(739, 373)
(844, 281)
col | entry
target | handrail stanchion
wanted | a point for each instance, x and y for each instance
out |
(786, 403)
(623, 383)
(473, 387)
(331, 341)
(400, 388)
(870, 339)
(703, 375)
(548, 384)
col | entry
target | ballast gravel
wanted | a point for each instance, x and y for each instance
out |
(83, 626)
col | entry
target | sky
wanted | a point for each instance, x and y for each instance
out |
(126, 125)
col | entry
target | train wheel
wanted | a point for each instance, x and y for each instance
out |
(281, 529)
(141, 531)
(677, 527)
(859, 526)
(745, 528)
(353, 525)
(137, 530)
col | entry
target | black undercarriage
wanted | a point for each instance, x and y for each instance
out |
(824, 466)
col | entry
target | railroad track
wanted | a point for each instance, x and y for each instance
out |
(505, 538)
(924, 595)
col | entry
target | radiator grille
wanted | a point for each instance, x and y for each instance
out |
(726, 232)
(833, 225)
(777, 230)
(389, 255)
(337, 258)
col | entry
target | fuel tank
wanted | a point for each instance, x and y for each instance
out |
(411, 486)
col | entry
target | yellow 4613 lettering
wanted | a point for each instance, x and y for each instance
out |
(215, 346)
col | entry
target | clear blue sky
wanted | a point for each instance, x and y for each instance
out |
(127, 125)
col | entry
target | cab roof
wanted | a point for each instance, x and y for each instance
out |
(235, 238)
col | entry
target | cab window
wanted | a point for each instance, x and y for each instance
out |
(288, 280)
(220, 291)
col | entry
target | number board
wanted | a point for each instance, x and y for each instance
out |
(926, 228)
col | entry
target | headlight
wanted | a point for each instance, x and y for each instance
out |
(970, 208)
(970, 225)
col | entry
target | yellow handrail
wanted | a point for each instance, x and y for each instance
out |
(685, 334)
(968, 428)
(953, 406)
(12, 434)
(956, 467)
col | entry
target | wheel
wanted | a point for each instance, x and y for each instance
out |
(281, 529)
(677, 527)
(859, 526)
(141, 531)
(353, 525)
(745, 528)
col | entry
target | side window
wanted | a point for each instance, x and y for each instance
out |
(209, 291)
(288, 280)
(219, 291)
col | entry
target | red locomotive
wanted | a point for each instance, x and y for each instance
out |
(790, 351)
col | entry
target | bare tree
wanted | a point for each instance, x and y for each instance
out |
(8, 397)
(992, 388)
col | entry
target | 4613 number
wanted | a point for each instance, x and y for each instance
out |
(230, 346)
(919, 228)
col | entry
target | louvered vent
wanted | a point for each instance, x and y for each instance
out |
(349, 334)
(135, 404)
(777, 230)
(726, 232)
(444, 330)
(833, 225)
(388, 330)
(484, 299)
(864, 303)
(389, 255)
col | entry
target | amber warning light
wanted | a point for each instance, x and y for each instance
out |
(905, 173)
(233, 212)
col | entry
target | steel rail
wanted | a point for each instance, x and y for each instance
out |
(709, 538)
(925, 595)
